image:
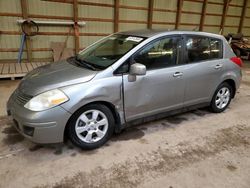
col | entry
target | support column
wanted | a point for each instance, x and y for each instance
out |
(116, 15)
(150, 13)
(76, 27)
(203, 15)
(243, 13)
(178, 13)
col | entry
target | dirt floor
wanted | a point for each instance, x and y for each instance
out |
(195, 149)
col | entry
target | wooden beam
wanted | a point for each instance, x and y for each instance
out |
(50, 17)
(203, 15)
(163, 23)
(95, 4)
(163, 10)
(190, 12)
(25, 60)
(230, 4)
(195, 1)
(223, 18)
(25, 15)
(94, 34)
(178, 13)
(133, 7)
(133, 21)
(56, 17)
(150, 13)
(82, 3)
(116, 15)
(76, 27)
(243, 13)
(190, 24)
(17, 49)
(232, 26)
(24, 9)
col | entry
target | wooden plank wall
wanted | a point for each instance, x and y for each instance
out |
(107, 16)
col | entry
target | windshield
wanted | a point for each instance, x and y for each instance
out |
(108, 51)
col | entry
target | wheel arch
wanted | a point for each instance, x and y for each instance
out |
(118, 124)
(232, 83)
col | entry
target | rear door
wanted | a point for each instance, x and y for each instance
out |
(204, 68)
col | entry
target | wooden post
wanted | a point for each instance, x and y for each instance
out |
(223, 19)
(28, 41)
(76, 27)
(150, 13)
(203, 14)
(243, 13)
(116, 15)
(178, 13)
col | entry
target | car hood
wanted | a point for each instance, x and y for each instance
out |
(54, 75)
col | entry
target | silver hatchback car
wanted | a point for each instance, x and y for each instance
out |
(123, 79)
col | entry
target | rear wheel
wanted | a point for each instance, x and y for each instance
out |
(91, 126)
(222, 98)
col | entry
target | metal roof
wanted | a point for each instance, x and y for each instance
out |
(153, 32)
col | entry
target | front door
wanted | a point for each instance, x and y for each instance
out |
(162, 88)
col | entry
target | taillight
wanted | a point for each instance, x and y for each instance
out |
(237, 61)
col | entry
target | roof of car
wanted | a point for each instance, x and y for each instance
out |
(153, 32)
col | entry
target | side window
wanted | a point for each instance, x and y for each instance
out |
(198, 48)
(162, 53)
(216, 48)
(203, 48)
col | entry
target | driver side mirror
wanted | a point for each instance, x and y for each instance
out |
(137, 69)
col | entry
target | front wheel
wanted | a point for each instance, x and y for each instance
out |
(91, 126)
(222, 98)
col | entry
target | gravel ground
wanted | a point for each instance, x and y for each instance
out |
(195, 149)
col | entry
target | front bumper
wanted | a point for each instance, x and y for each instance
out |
(40, 127)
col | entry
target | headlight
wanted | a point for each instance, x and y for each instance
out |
(46, 100)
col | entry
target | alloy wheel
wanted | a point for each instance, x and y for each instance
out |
(222, 98)
(91, 126)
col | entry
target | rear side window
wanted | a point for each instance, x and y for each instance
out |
(216, 48)
(202, 48)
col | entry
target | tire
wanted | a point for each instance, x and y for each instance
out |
(95, 124)
(222, 98)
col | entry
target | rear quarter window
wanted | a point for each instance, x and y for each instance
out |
(201, 48)
(216, 48)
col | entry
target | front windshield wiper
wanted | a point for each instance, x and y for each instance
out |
(84, 63)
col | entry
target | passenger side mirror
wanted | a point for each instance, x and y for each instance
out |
(137, 69)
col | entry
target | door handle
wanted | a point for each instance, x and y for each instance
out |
(218, 66)
(177, 74)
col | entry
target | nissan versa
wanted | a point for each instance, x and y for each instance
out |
(123, 79)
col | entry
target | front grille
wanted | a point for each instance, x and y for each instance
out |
(22, 98)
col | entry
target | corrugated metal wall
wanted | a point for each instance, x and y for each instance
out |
(99, 16)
